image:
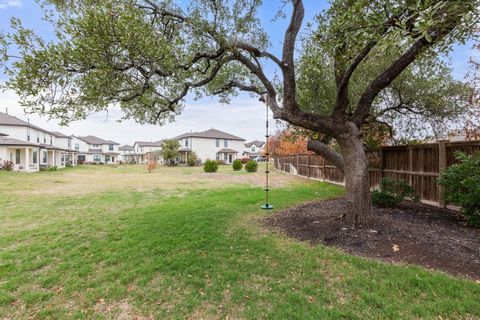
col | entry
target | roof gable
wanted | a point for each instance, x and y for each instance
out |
(209, 134)
(257, 143)
(96, 140)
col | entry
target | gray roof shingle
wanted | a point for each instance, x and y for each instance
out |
(96, 140)
(226, 150)
(257, 143)
(126, 148)
(7, 119)
(149, 144)
(59, 134)
(211, 133)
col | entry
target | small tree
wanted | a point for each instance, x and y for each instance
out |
(192, 159)
(151, 165)
(462, 185)
(170, 151)
(237, 165)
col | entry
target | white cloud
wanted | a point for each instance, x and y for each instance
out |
(10, 3)
(244, 117)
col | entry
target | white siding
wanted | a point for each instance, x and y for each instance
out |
(206, 148)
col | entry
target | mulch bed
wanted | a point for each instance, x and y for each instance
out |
(412, 233)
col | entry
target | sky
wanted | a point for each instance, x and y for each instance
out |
(244, 116)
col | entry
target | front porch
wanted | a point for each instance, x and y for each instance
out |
(227, 155)
(25, 159)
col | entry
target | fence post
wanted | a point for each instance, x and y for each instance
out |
(298, 169)
(410, 165)
(324, 173)
(380, 169)
(308, 165)
(442, 164)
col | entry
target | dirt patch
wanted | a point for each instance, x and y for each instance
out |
(413, 233)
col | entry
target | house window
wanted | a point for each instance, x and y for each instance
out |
(110, 147)
(107, 158)
(69, 143)
(34, 155)
(95, 145)
(17, 156)
(51, 140)
(44, 160)
(253, 149)
(225, 143)
(63, 157)
(77, 146)
(28, 134)
(38, 139)
(97, 158)
(186, 142)
(217, 142)
(44, 139)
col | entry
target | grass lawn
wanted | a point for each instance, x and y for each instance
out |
(118, 243)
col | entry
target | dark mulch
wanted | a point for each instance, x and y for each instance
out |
(424, 235)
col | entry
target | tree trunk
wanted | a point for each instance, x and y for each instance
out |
(357, 183)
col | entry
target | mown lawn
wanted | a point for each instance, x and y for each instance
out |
(179, 243)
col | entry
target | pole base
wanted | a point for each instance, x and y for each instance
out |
(266, 206)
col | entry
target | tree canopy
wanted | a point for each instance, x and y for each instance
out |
(147, 55)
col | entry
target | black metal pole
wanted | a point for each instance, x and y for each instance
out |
(267, 157)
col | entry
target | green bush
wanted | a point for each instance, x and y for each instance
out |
(210, 166)
(52, 168)
(462, 185)
(251, 166)
(221, 162)
(192, 159)
(69, 165)
(237, 165)
(392, 193)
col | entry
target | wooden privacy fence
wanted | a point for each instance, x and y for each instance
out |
(419, 165)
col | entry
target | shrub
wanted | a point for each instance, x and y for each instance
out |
(251, 166)
(69, 165)
(192, 159)
(462, 185)
(210, 166)
(52, 168)
(220, 162)
(392, 193)
(7, 165)
(237, 165)
(245, 160)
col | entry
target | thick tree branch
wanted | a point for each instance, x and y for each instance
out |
(384, 79)
(288, 55)
(327, 152)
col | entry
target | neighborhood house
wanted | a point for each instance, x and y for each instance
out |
(211, 144)
(31, 148)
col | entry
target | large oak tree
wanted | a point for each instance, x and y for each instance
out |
(148, 55)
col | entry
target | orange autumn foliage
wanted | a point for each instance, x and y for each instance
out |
(287, 142)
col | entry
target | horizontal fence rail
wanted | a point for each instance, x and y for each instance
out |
(419, 165)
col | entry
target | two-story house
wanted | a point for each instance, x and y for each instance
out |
(254, 149)
(127, 154)
(30, 147)
(211, 144)
(143, 150)
(92, 149)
